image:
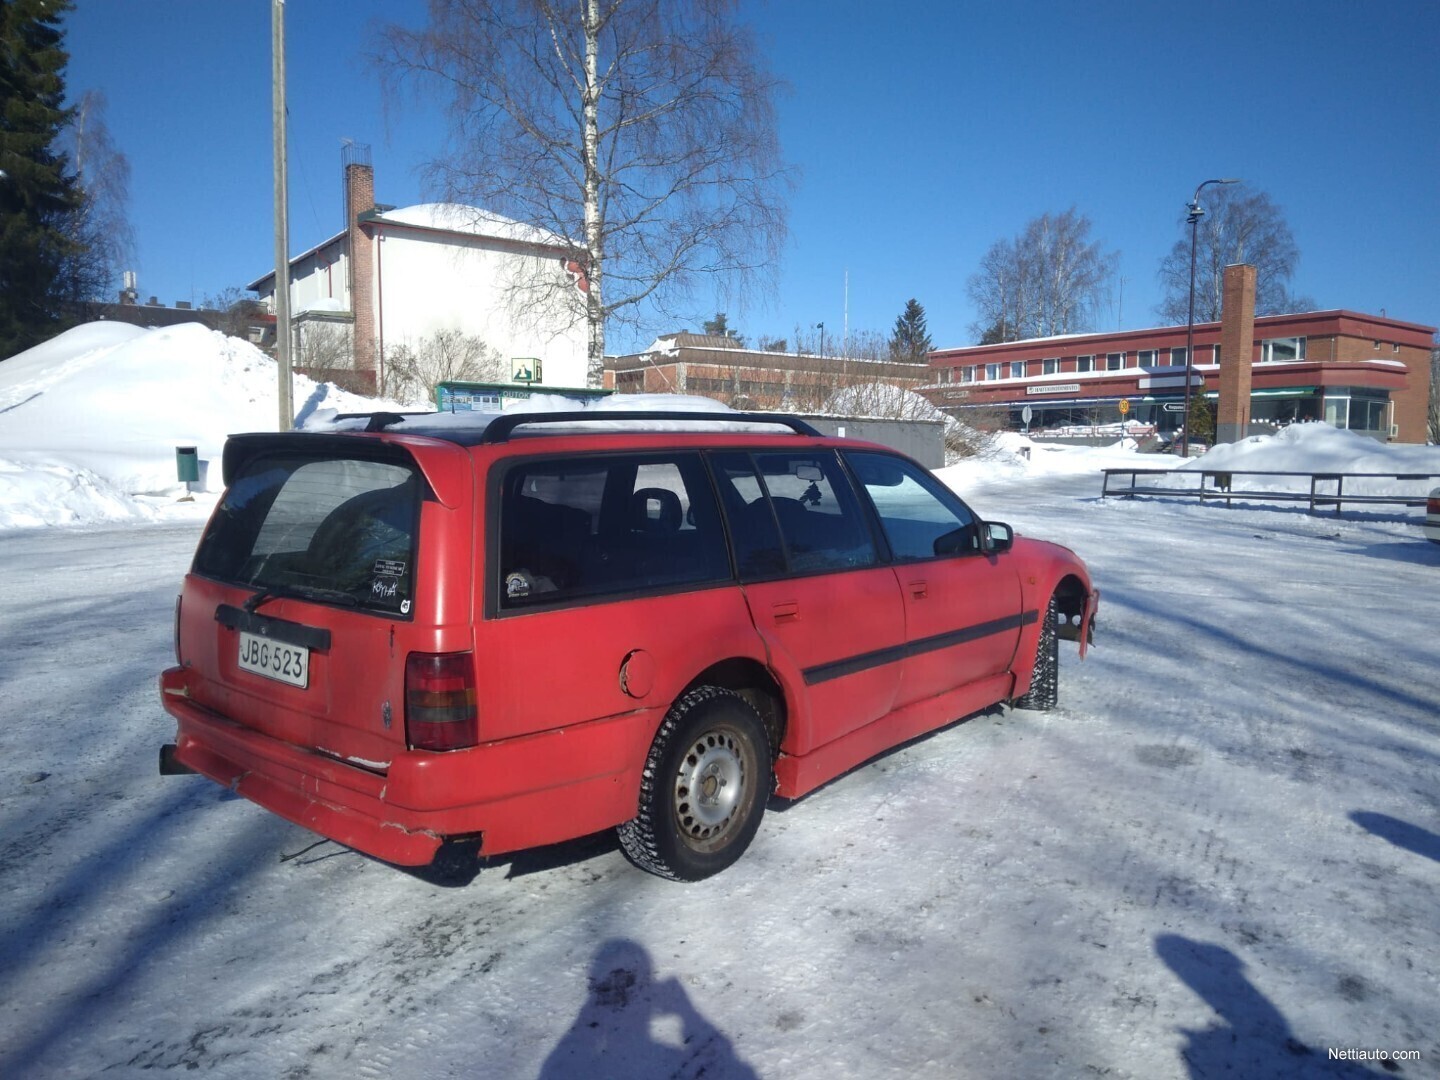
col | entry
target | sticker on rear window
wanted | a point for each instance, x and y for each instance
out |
(389, 568)
(384, 589)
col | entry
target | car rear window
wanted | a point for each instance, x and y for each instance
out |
(334, 530)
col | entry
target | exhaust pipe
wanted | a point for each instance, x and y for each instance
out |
(170, 765)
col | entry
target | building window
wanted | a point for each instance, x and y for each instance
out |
(967, 374)
(1394, 346)
(1217, 355)
(1017, 369)
(1084, 363)
(1050, 366)
(992, 372)
(1146, 357)
(1114, 361)
(1177, 357)
(1279, 350)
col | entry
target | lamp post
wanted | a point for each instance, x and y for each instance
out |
(821, 327)
(1196, 213)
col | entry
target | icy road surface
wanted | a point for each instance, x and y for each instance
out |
(1222, 852)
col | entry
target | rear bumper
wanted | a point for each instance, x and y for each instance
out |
(515, 794)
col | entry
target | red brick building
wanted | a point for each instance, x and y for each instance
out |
(1367, 373)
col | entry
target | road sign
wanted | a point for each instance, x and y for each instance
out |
(1173, 406)
(1124, 406)
(1026, 413)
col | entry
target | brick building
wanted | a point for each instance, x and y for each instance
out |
(1368, 373)
(715, 366)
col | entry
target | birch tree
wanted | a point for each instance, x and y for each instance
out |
(100, 234)
(642, 130)
(1049, 280)
(1240, 225)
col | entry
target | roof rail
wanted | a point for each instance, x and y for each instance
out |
(499, 429)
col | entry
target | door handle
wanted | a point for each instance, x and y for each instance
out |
(787, 611)
(919, 590)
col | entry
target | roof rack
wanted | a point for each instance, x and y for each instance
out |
(500, 428)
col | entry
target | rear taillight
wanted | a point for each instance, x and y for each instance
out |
(178, 601)
(440, 701)
(1432, 505)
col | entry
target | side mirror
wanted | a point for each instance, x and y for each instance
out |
(998, 537)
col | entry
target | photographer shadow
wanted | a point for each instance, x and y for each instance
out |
(1252, 1037)
(635, 1027)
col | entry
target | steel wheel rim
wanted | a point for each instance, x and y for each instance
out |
(710, 785)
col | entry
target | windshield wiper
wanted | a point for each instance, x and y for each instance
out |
(300, 592)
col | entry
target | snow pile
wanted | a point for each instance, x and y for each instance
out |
(90, 420)
(1012, 456)
(1317, 448)
(883, 400)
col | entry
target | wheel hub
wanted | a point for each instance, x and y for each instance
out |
(709, 785)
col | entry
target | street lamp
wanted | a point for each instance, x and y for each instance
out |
(821, 327)
(1196, 213)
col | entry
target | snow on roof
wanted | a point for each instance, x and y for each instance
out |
(458, 218)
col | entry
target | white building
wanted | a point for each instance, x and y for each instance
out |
(395, 276)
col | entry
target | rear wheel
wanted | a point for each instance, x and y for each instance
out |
(1044, 689)
(704, 787)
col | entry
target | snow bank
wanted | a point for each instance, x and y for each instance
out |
(89, 421)
(1317, 447)
(1012, 456)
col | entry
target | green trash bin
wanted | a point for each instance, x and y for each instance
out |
(187, 464)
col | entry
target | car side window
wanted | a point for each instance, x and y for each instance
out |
(922, 518)
(791, 513)
(595, 526)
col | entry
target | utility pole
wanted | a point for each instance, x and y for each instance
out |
(282, 215)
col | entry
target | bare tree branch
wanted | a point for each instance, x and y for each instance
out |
(1240, 225)
(642, 131)
(1048, 280)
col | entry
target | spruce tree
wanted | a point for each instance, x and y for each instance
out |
(38, 194)
(910, 341)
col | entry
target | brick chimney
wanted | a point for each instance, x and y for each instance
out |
(360, 197)
(1237, 349)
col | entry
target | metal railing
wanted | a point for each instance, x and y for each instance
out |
(1321, 489)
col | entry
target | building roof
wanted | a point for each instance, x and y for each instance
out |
(470, 221)
(1335, 315)
(455, 219)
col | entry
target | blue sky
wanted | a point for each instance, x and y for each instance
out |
(919, 138)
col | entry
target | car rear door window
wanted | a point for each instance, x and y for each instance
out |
(603, 525)
(333, 530)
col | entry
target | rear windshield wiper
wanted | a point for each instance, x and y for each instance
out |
(300, 592)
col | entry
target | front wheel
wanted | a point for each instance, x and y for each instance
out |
(704, 787)
(1044, 690)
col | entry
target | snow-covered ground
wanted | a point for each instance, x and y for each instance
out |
(1220, 855)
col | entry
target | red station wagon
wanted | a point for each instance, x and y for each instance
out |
(431, 641)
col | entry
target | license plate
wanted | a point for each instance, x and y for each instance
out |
(275, 659)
